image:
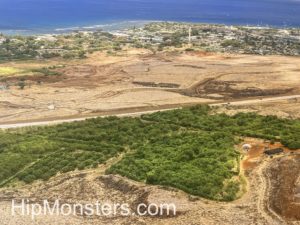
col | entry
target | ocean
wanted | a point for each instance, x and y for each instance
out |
(44, 16)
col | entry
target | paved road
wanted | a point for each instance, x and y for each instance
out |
(53, 122)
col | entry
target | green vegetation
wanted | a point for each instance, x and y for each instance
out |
(220, 38)
(232, 43)
(155, 37)
(191, 149)
(68, 46)
(47, 71)
(21, 84)
(17, 48)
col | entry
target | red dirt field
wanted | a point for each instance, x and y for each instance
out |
(282, 177)
(257, 151)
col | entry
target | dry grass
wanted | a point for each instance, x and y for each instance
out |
(7, 71)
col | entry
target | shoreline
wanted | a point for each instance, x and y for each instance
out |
(116, 26)
(108, 26)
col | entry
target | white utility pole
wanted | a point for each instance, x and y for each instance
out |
(190, 35)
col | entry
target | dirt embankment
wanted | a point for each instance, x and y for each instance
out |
(284, 176)
(279, 194)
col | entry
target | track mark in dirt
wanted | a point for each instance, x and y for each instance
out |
(211, 86)
(263, 197)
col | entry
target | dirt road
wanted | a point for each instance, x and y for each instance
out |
(161, 108)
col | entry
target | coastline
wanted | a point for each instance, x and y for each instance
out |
(107, 26)
(116, 26)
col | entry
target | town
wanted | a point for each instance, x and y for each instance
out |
(155, 36)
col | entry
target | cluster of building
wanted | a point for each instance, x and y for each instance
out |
(208, 37)
(221, 38)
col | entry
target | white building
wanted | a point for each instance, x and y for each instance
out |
(2, 40)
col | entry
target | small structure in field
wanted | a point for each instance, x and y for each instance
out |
(274, 151)
(246, 147)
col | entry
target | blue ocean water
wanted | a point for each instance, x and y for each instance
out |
(47, 15)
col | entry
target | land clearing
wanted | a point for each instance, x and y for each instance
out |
(137, 78)
(284, 108)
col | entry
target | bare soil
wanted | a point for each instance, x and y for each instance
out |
(285, 108)
(137, 78)
(285, 187)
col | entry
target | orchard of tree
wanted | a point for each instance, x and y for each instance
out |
(191, 149)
